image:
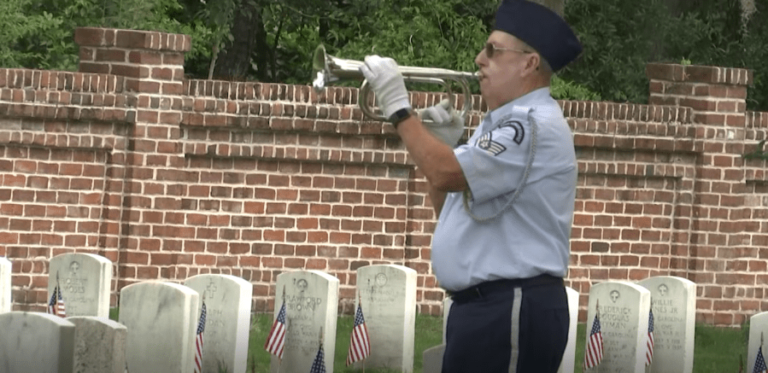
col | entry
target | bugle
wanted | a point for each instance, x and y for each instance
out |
(328, 69)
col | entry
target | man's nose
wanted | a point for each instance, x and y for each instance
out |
(480, 59)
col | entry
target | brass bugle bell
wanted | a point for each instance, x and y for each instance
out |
(328, 69)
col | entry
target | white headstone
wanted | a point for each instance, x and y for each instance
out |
(624, 310)
(85, 281)
(161, 318)
(228, 316)
(6, 271)
(433, 359)
(99, 345)
(569, 356)
(758, 338)
(36, 342)
(673, 301)
(387, 294)
(311, 299)
(447, 303)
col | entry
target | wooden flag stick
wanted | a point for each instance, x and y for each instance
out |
(597, 307)
(57, 288)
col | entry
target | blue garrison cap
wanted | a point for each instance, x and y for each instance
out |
(541, 28)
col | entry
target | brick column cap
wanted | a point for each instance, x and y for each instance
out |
(132, 39)
(698, 74)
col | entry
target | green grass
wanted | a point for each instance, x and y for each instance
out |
(720, 349)
(717, 350)
(429, 333)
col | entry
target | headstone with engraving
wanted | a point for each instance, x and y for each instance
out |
(99, 345)
(311, 301)
(433, 359)
(387, 295)
(228, 315)
(673, 301)
(36, 342)
(758, 339)
(624, 309)
(161, 318)
(6, 270)
(85, 281)
(569, 356)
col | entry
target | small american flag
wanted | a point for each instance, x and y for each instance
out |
(199, 341)
(649, 342)
(760, 366)
(359, 344)
(276, 339)
(594, 354)
(56, 303)
(318, 366)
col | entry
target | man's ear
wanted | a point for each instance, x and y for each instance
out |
(532, 63)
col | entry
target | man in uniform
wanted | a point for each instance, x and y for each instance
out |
(504, 200)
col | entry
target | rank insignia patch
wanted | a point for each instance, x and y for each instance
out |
(519, 131)
(486, 143)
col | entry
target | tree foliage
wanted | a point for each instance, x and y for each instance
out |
(620, 37)
(273, 41)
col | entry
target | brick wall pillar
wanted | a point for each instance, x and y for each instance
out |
(150, 173)
(714, 242)
(717, 95)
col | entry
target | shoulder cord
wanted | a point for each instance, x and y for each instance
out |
(520, 185)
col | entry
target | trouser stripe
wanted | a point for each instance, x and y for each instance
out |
(515, 332)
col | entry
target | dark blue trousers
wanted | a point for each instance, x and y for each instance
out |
(519, 329)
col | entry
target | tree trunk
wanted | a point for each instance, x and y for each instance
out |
(234, 61)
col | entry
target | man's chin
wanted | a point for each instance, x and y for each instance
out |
(483, 93)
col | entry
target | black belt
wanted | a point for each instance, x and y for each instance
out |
(489, 287)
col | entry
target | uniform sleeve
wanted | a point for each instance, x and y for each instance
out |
(494, 164)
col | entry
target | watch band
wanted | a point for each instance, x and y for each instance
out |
(400, 116)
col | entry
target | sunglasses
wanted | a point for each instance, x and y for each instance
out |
(490, 50)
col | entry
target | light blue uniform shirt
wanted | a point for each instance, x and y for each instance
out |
(530, 237)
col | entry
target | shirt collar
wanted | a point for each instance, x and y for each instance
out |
(529, 99)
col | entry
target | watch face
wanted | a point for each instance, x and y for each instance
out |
(400, 116)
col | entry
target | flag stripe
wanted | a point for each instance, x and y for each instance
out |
(278, 333)
(360, 343)
(199, 340)
(275, 342)
(649, 341)
(56, 303)
(594, 354)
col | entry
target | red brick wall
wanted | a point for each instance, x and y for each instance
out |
(170, 177)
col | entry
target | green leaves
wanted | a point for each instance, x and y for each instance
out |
(17, 28)
(619, 36)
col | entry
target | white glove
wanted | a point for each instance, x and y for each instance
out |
(387, 83)
(443, 122)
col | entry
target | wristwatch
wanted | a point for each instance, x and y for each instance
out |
(400, 116)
